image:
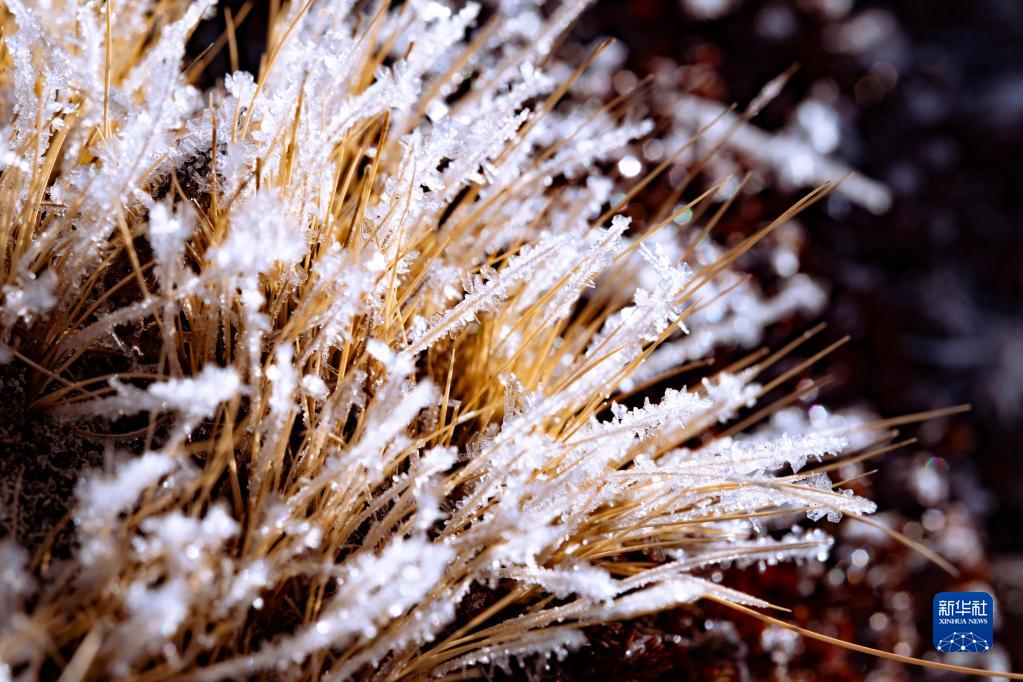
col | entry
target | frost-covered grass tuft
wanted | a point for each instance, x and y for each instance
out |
(368, 330)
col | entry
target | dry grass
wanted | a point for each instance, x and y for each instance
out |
(350, 360)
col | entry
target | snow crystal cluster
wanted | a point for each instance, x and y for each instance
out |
(366, 331)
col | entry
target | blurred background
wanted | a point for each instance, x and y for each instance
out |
(927, 98)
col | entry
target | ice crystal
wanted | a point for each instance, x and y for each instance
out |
(102, 498)
(261, 235)
(193, 398)
(556, 641)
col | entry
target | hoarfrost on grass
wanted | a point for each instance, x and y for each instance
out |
(386, 350)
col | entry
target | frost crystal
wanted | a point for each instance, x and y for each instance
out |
(261, 235)
(103, 498)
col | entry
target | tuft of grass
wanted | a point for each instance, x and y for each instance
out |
(365, 334)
